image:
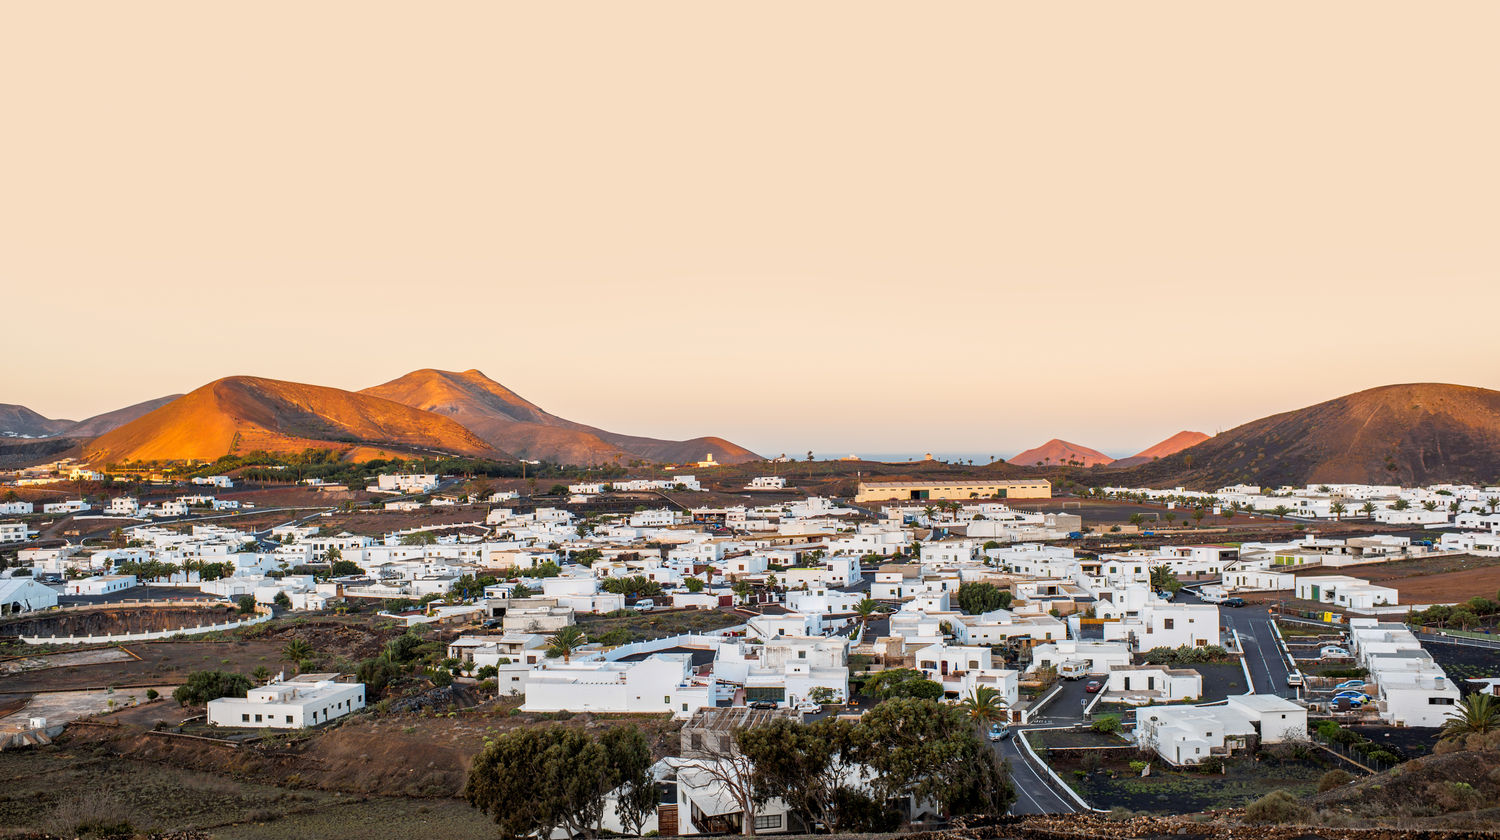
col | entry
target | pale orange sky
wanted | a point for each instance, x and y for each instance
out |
(836, 226)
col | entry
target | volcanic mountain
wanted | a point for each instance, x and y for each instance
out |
(1172, 445)
(23, 422)
(242, 414)
(1396, 434)
(20, 421)
(1060, 453)
(506, 420)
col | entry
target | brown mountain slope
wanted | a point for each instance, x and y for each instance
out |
(1057, 451)
(245, 413)
(20, 421)
(111, 420)
(1172, 445)
(506, 420)
(1397, 434)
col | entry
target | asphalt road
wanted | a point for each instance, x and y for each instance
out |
(1268, 668)
(1034, 793)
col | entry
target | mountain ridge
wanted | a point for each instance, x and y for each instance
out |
(1411, 434)
(507, 420)
(248, 413)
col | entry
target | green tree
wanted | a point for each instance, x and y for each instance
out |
(344, 568)
(807, 767)
(902, 682)
(246, 604)
(296, 651)
(282, 600)
(564, 642)
(693, 584)
(1477, 713)
(1281, 511)
(927, 750)
(975, 598)
(536, 781)
(983, 706)
(203, 686)
(867, 608)
(1338, 510)
(1368, 509)
(1164, 580)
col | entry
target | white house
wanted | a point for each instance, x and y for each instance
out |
(663, 682)
(123, 506)
(308, 700)
(1348, 592)
(410, 483)
(100, 585)
(1139, 685)
(1189, 734)
(14, 532)
(767, 482)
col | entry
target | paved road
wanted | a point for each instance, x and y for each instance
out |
(1034, 793)
(1268, 667)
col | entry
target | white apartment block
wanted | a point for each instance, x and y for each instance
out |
(308, 700)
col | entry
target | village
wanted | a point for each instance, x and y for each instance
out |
(1106, 641)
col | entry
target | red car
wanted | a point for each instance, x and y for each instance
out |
(1092, 687)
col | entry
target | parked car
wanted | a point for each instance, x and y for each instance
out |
(1073, 669)
(999, 732)
(808, 707)
(1093, 686)
(762, 704)
(1354, 695)
(1359, 684)
(1332, 652)
(1234, 602)
(1294, 679)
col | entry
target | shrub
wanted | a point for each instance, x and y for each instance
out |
(1137, 767)
(152, 694)
(1278, 806)
(1107, 723)
(1333, 779)
(203, 686)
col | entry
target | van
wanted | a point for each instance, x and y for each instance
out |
(1073, 669)
(1294, 679)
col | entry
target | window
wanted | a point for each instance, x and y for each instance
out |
(245, 718)
(1168, 623)
(801, 654)
(767, 821)
(1440, 701)
(667, 700)
(257, 718)
(288, 718)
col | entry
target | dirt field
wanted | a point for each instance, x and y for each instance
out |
(1437, 580)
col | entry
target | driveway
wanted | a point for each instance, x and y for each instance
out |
(1268, 668)
(1034, 792)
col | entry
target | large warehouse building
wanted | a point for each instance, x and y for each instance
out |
(905, 491)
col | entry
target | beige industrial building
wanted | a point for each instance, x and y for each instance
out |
(905, 491)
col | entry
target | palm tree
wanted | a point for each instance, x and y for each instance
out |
(564, 642)
(1281, 511)
(1492, 503)
(295, 652)
(1476, 714)
(1368, 509)
(1338, 510)
(1401, 504)
(983, 706)
(867, 609)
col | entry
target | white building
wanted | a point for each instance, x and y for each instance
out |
(1343, 591)
(22, 595)
(767, 482)
(1189, 734)
(100, 585)
(410, 483)
(14, 532)
(663, 682)
(308, 700)
(1140, 685)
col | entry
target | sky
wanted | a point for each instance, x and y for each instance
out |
(873, 226)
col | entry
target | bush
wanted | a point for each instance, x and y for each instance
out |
(1333, 779)
(1138, 767)
(1278, 806)
(1106, 723)
(203, 686)
(152, 694)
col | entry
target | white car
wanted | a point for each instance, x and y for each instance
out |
(808, 708)
(1333, 652)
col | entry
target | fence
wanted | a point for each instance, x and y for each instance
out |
(1454, 638)
(142, 637)
(1358, 759)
